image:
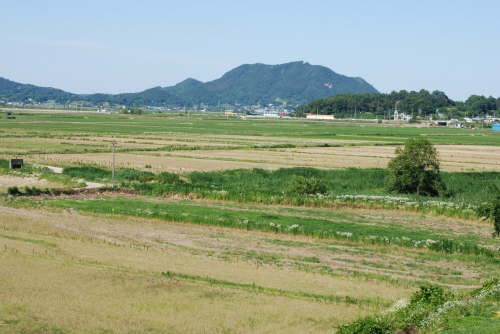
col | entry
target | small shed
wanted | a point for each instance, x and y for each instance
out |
(495, 127)
(16, 163)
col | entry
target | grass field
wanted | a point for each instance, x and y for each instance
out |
(208, 259)
(171, 143)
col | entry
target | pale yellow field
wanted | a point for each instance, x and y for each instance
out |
(63, 271)
(452, 158)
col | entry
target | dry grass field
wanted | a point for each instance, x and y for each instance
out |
(453, 158)
(66, 271)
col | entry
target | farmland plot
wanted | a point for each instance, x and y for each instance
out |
(177, 277)
(114, 262)
(179, 144)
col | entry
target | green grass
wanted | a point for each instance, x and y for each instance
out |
(94, 124)
(342, 226)
(254, 185)
(479, 321)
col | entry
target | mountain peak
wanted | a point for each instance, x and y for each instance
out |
(293, 83)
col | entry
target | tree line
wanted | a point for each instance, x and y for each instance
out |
(422, 103)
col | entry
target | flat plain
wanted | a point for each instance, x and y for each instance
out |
(71, 270)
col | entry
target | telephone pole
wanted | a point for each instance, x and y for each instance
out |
(113, 164)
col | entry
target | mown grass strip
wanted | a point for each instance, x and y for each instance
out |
(367, 302)
(34, 241)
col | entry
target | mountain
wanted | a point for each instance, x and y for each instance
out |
(294, 83)
(13, 91)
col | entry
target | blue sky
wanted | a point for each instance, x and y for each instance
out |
(127, 46)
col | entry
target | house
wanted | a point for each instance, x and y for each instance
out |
(495, 127)
(271, 114)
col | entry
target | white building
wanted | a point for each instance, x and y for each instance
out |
(327, 117)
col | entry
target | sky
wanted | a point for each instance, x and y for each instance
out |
(123, 46)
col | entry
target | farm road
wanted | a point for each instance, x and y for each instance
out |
(90, 185)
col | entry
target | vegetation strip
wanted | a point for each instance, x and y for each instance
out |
(273, 291)
(41, 242)
(197, 213)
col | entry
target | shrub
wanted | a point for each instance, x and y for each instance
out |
(302, 185)
(32, 191)
(368, 325)
(431, 295)
(492, 210)
(14, 191)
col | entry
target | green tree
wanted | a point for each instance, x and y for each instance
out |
(415, 169)
(492, 210)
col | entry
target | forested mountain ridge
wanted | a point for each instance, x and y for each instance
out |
(17, 92)
(293, 83)
(296, 82)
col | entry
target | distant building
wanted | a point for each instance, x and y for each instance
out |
(271, 114)
(495, 127)
(313, 116)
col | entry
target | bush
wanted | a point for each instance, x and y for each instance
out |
(368, 325)
(32, 191)
(14, 191)
(302, 185)
(492, 210)
(431, 295)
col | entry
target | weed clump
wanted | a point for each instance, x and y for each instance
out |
(429, 308)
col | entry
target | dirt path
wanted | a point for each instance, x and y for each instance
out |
(89, 185)
(57, 170)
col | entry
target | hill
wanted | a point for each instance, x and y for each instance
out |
(291, 83)
(295, 82)
(13, 91)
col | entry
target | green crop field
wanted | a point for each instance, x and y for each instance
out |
(205, 232)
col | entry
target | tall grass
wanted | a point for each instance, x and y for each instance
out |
(344, 188)
(127, 175)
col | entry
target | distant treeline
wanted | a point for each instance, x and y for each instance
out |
(420, 103)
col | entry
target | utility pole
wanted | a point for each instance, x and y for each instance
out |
(113, 164)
